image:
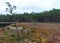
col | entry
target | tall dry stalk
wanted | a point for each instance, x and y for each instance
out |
(17, 33)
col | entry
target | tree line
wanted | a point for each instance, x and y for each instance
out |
(46, 16)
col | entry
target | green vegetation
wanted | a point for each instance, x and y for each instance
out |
(46, 16)
(31, 32)
(10, 8)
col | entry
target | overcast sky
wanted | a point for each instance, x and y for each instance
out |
(30, 5)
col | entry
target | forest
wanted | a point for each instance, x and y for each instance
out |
(46, 16)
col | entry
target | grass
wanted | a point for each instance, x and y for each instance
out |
(38, 30)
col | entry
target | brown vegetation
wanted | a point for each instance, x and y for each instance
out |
(50, 31)
(47, 29)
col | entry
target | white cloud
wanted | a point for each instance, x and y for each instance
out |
(31, 5)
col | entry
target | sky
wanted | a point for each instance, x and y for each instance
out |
(30, 5)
